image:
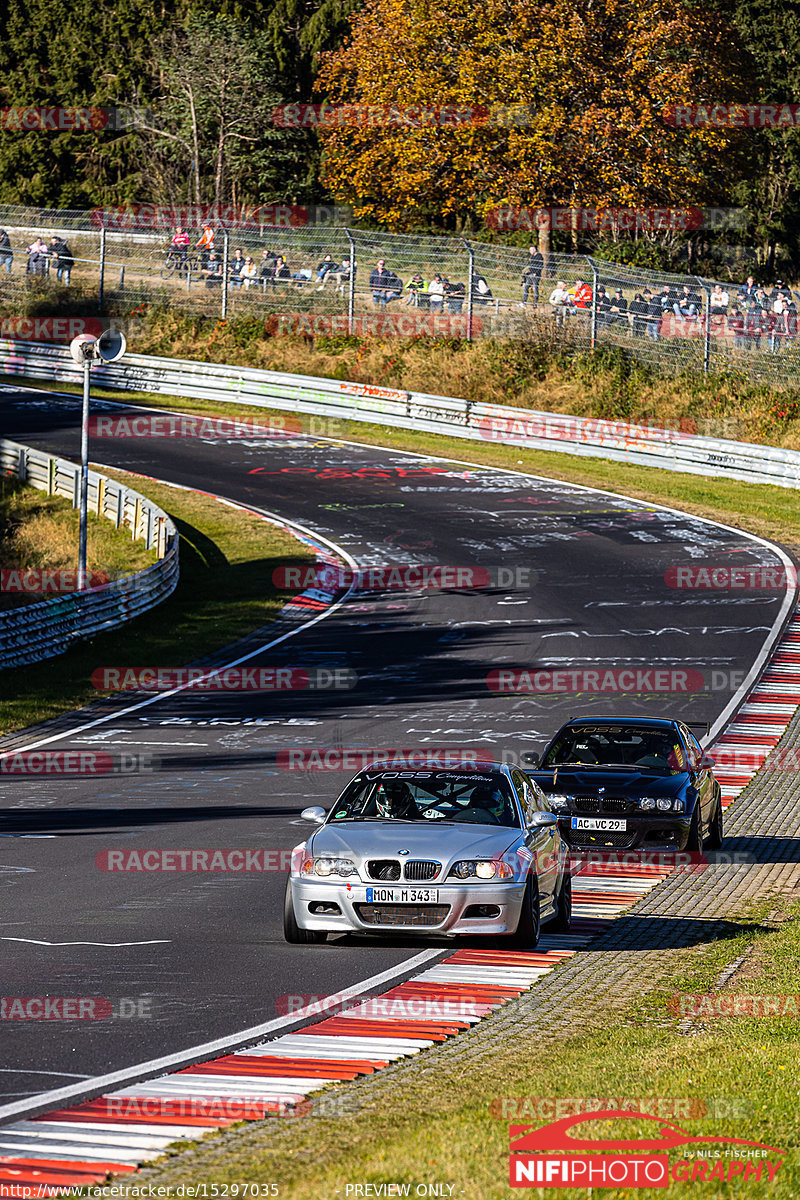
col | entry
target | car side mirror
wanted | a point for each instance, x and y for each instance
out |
(317, 815)
(707, 763)
(531, 759)
(542, 820)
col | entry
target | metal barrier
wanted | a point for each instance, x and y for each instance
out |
(42, 630)
(673, 450)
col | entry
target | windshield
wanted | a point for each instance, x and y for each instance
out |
(619, 747)
(428, 796)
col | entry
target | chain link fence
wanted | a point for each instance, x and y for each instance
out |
(319, 278)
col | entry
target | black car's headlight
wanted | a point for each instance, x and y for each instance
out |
(662, 803)
(482, 869)
(556, 801)
(328, 866)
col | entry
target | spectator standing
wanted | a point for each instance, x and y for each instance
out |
(748, 292)
(205, 243)
(6, 253)
(753, 324)
(638, 314)
(180, 245)
(736, 326)
(436, 294)
(60, 251)
(532, 275)
(603, 307)
(379, 283)
(618, 309)
(655, 313)
(235, 268)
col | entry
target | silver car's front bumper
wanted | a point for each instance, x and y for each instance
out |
(506, 898)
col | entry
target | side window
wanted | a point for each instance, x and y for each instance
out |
(527, 792)
(693, 751)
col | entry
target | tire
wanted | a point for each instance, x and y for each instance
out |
(715, 831)
(695, 842)
(526, 935)
(170, 267)
(563, 918)
(291, 930)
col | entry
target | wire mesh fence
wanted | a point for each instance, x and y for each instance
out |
(321, 278)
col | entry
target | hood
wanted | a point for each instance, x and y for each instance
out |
(577, 781)
(422, 839)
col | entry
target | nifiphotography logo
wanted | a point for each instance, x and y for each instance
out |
(640, 1162)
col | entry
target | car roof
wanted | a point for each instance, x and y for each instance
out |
(481, 768)
(645, 722)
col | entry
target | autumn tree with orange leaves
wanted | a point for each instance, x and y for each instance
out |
(594, 77)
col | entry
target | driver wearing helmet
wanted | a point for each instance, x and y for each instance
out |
(395, 802)
(486, 806)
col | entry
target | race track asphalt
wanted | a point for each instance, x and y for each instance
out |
(201, 955)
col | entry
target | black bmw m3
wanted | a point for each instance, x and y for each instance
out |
(630, 783)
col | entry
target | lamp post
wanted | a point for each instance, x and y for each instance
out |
(86, 350)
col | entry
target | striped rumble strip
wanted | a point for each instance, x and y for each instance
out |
(762, 720)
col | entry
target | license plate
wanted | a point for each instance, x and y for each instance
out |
(376, 895)
(611, 823)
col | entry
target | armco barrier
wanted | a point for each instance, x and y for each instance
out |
(647, 446)
(42, 630)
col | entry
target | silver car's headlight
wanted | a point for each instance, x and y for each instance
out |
(329, 866)
(556, 800)
(482, 869)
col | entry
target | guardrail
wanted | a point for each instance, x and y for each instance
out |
(42, 630)
(671, 450)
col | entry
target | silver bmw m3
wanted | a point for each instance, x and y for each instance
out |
(465, 851)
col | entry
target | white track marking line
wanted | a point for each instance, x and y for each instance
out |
(113, 945)
(73, 1093)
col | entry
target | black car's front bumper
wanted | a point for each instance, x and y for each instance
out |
(643, 831)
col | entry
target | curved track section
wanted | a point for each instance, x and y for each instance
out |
(573, 582)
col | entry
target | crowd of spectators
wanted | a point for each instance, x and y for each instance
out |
(757, 313)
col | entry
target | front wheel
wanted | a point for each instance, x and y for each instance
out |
(695, 841)
(170, 266)
(563, 917)
(291, 930)
(526, 935)
(715, 832)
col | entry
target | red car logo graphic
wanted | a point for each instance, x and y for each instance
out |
(526, 1139)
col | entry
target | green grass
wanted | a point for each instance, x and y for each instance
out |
(225, 591)
(447, 1124)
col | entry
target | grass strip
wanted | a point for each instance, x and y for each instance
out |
(227, 558)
